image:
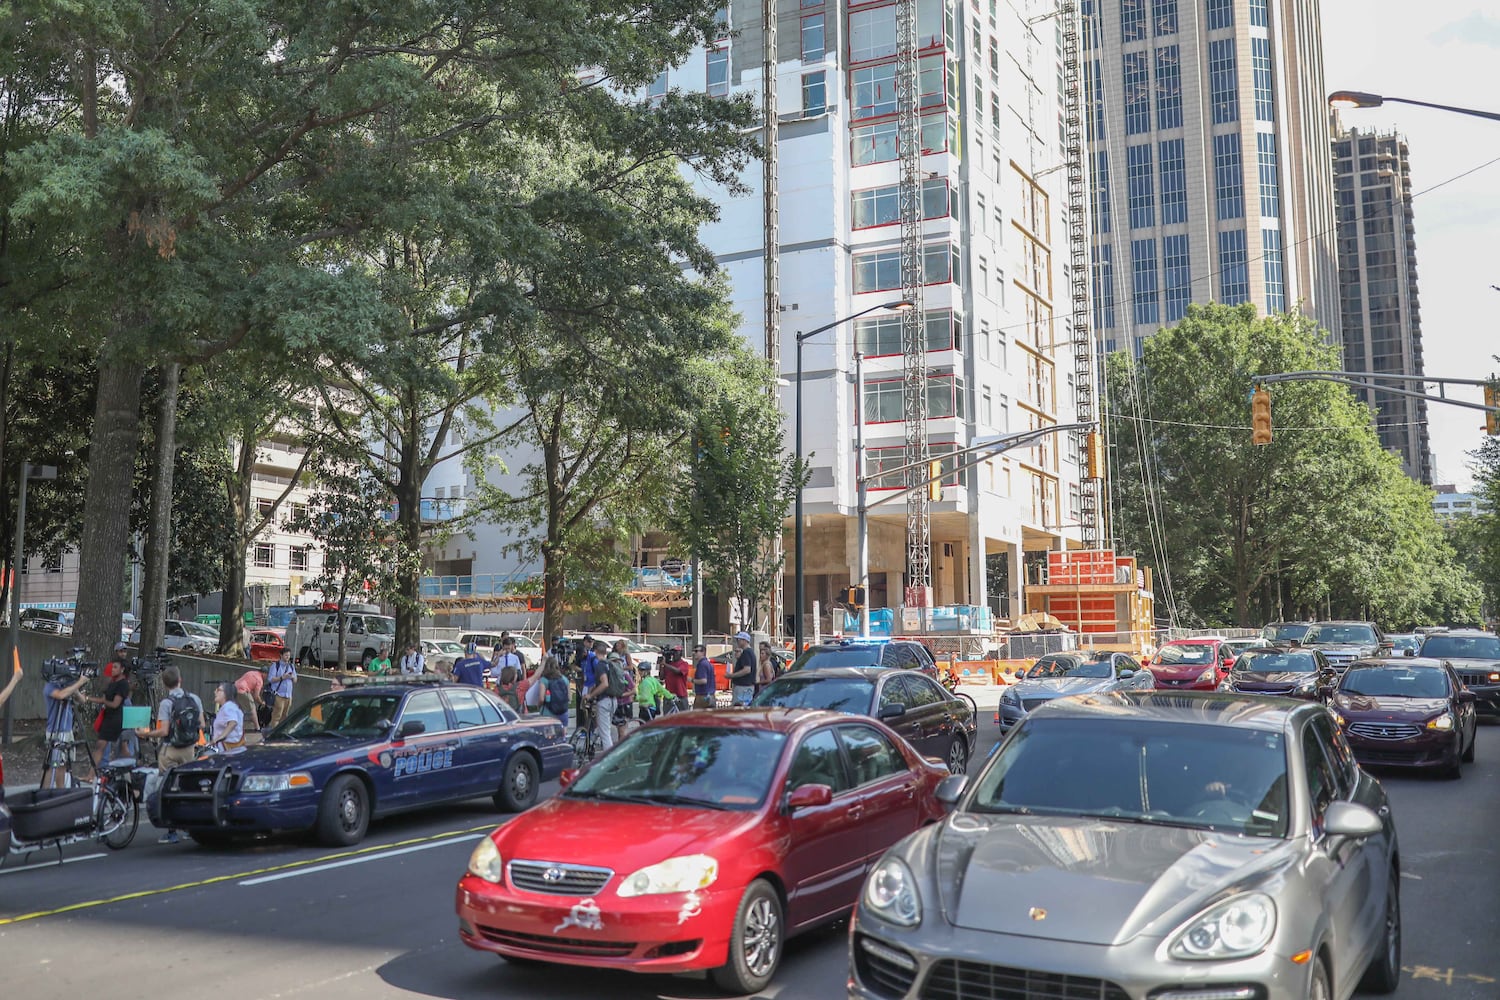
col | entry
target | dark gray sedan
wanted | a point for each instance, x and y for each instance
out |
(1061, 674)
(1160, 845)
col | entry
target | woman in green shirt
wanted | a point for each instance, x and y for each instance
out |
(649, 694)
(382, 662)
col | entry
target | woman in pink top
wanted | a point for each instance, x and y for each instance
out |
(247, 693)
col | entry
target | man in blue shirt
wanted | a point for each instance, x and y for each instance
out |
(588, 662)
(704, 679)
(470, 669)
(59, 694)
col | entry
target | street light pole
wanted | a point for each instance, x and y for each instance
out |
(862, 493)
(15, 586)
(901, 305)
(1361, 99)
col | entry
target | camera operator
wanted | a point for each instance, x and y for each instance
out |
(61, 687)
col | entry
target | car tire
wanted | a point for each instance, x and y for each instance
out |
(518, 789)
(1384, 972)
(344, 814)
(1469, 753)
(1317, 987)
(755, 942)
(957, 757)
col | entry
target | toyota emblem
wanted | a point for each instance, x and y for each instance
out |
(553, 875)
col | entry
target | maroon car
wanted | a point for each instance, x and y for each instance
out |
(1406, 711)
(1191, 664)
(1282, 671)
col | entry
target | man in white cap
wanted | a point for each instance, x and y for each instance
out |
(742, 674)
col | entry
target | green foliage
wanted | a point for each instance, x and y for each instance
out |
(1477, 538)
(1319, 520)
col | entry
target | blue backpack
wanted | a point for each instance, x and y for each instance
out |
(557, 696)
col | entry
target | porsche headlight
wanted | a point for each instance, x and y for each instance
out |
(275, 782)
(684, 874)
(485, 861)
(891, 891)
(1211, 674)
(1236, 928)
(1443, 722)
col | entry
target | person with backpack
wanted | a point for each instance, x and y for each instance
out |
(610, 683)
(179, 725)
(625, 698)
(282, 676)
(553, 688)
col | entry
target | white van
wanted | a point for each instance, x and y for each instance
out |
(313, 636)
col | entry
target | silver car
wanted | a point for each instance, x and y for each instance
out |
(1131, 845)
(1058, 675)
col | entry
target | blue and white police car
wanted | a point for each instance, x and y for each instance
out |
(365, 752)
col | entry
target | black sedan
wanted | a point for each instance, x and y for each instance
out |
(1406, 711)
(1475, 657)
(933, 721)
(366, 752)
(1288, 673)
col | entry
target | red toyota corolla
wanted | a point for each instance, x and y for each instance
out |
(700, 842)
(1195, 664)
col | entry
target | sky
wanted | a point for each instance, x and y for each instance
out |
(1446, 52)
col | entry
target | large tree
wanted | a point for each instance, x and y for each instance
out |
(1321, 518)
(209, 161)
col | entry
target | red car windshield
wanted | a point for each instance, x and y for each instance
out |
(1172, 655)
(710, 767)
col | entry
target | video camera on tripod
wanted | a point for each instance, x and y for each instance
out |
(148, 667)
(70, 668)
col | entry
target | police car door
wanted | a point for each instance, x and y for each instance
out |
(424, 767)
(483, 739)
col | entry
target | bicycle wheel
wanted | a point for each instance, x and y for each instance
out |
(583, 747)
(969, 699)
(117, 818)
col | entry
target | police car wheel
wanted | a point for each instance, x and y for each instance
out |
(344, 814)
(518, 789)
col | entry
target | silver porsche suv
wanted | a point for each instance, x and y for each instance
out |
(1162, 845)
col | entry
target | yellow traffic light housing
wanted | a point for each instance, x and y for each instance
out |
(1260, 416)
(1492, 415)
(1094, 453)
(935, 480)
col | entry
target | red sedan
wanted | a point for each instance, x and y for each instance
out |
(266, 644)
(699, 843)
(1193, 664)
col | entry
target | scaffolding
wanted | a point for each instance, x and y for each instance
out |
(913, 321)
(771, 210)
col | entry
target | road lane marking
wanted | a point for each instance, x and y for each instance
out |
(359, 861)
(53, 864)
(288, 866)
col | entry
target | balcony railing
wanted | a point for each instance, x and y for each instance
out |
(499, 584)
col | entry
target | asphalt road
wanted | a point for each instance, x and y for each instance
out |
(286, 918)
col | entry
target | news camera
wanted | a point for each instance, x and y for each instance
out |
(67, 669)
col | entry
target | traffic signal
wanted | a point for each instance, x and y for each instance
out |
(1492, 415)
(935, 480)
(1260, 416)
(1095, 455)
(855, 597)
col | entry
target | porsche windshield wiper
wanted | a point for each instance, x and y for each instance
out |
(670, 798)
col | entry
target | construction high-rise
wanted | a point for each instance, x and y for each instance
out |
(1377, 254)
(1207, 123)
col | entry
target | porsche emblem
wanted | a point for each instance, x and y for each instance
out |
(1037, 913)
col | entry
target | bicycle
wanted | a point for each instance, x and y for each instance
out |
(950, 682)
(115, 807)
(585, 739)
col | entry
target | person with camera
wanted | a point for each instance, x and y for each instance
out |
(110, 721)
(60, 689)
(674, 677)
(280, 678)
(179, 725)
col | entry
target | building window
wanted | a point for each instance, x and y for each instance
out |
(882, 206)
(1275, 279)
(297, 558)
(1101, 192)
(1173, 183)
(1137, 93)
(983, 338)
(814, 93)
(995, 114)
(880, 336)
(872, 34)
(1229, 179)
(987, 407)
(1164, 17)
(1141, 186)
(1168, 87)
(874, 143)
(265, 555)
(812, 38)
(1270, 176)
(264, 508)
(1220, 14)
(1177, 283)
(984, 277)
(1260, 56)
(1132, 20)
(1223, 84)
(881, 271)
(1104, 287)
(1234, 271)
(945, 399)
(1258, 13)
(1143, 282)
(872, 91)
(1095, 92)
(657, 88)
(718, 71)
(877, 460)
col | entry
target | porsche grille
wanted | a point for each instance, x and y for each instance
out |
(954, 980)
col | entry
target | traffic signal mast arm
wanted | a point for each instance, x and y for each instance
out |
(1353, 379)
(985, 451)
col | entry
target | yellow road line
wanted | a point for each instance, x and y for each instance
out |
(145, 893)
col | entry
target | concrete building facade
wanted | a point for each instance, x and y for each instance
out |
(1207, 124)
(1381, 318)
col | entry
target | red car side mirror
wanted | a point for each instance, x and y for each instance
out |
(568, 776)
(806, 796)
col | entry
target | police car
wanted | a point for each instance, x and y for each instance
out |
(366, 752)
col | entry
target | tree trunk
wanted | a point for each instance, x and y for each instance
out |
(553, 584)
(159, 532)
(237, 487)
(113, 443)
(409, 543)
(5, 567)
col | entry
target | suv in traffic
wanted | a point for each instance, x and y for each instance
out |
(898, 654)
(1475, 656)
(1344, 642)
